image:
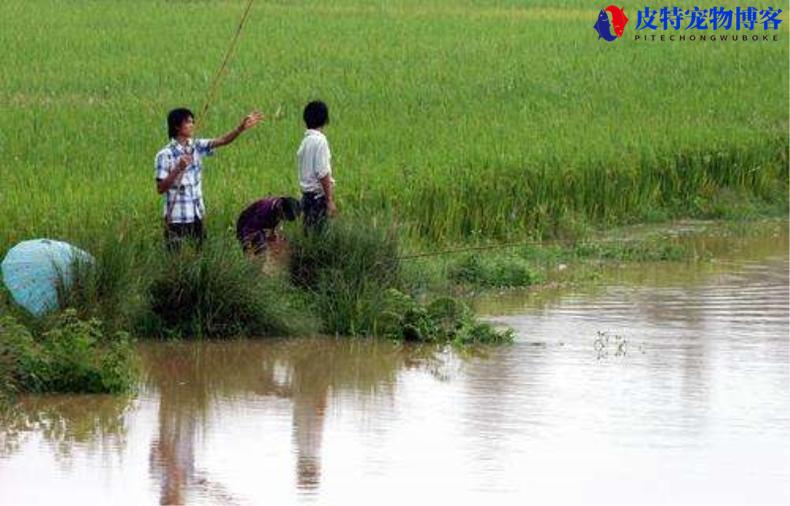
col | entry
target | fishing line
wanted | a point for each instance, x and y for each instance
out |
(453, 251)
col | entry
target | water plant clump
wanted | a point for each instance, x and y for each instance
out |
(73, 355)
(655, 249)
(494, 271)
(445, 320)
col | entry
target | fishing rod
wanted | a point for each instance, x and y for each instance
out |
(210, 97)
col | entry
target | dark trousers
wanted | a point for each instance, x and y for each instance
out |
(178, 233)
(314, 212)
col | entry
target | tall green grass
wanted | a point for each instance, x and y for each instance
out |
(136, 285)
(113, 287)
(217, 292)
(346, 271)
(457, 119)
(352, 276)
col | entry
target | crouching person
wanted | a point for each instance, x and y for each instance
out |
(259, 227)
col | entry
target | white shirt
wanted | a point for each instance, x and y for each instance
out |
(314, 161)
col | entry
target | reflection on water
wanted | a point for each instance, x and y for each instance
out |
(92, 422)
(191, 379)
(686, 401)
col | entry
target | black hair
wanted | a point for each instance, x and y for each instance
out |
(175, 119)
(316, 114)
(290, 208)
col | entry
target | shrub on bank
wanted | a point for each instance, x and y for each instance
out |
(73, 355)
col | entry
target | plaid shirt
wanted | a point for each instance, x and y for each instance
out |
(185, 198)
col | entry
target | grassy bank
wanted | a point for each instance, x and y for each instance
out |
(345, 281)
(353, 281)
(459, 120)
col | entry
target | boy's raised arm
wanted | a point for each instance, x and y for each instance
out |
(247, 122)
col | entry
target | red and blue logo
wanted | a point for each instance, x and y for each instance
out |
(611, 23)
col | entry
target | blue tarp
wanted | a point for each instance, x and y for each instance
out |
(32, 269)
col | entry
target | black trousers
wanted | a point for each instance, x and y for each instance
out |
(178, 233)
(314, 212)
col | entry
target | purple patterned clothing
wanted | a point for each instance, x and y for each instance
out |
(254, 220)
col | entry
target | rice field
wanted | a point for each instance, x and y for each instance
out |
(459, 120)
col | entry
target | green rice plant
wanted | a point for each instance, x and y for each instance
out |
(471, 121)
(218, 292)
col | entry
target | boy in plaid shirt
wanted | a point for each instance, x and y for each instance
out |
(179, 174)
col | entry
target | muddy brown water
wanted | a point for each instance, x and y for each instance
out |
(664, 384)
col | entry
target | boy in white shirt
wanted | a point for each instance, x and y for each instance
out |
(315, 170)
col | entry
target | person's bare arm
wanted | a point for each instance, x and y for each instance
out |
(162, 185)
(248, 122)
(328, 186)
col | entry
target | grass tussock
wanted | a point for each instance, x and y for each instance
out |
(218, 292)
(345, 271)
(352, 274)
(113, 287)
(135, 285)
